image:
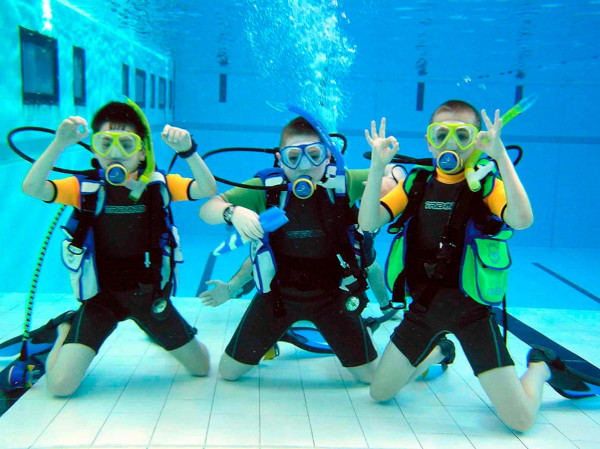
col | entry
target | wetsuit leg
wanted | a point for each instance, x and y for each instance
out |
(259, 330)
(158, 317)
(345, 332)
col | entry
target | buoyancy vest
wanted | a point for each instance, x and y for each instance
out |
(473, 250)
(341, 237)
(161, 252)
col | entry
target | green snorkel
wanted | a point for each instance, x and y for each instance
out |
(144, 178)
(475, 176)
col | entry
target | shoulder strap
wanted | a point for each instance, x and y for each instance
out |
(161, 223)
(159, 229)
(159, 177)
(350, 240)
(415, 194)
(89, 190)
(272, 177)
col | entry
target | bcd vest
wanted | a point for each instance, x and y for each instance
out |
(485, 259)
(339, 225)
(162, 252)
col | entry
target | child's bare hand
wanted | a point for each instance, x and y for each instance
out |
(489, 141)
(177, 138)
(383, 148)
(71, 130)
(247, 223)
(216, 296)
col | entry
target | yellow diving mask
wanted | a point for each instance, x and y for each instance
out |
(464, 134)
(104, 141)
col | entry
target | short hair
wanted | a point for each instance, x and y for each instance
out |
(121, 114)
(297, 127)
(458, 105)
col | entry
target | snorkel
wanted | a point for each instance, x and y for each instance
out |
(304, 187)
(473, 176)
(144, 178)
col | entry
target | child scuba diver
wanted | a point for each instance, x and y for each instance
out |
(300, 268)
(438, 233)
(122, 249)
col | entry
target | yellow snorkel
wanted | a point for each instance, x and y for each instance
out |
(144, 178)
(475, 176)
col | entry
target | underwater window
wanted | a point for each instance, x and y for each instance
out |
(39, 68)
(170, 94)
(162, 92)
(152, 90)
(125, 84)
(79, 76)
(140, 88)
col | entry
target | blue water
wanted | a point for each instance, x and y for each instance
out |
(225, 66)
(348, 63)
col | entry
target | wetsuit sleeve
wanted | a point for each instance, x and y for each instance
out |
(67, 191)
(496, 199)
(396, 200)
(255, 200)
(355, 181)
(179, 187)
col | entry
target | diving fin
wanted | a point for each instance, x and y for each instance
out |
(565, 380)
(272, 353)
(21, 374)
(588, 386)
(310, 339)
(40, 340)
(307, 338)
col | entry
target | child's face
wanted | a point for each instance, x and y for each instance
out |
(453, 117)
(305, 167)
(131, 163)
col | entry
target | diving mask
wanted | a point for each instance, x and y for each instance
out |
(292, 156)
(465, 134)
(104, 141)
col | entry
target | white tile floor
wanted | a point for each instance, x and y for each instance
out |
(136, 396)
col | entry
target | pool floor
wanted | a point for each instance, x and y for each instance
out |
(136, 396)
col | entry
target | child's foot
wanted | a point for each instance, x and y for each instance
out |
(448, 351)
(52, 326)
(565, 382)
(62, 318)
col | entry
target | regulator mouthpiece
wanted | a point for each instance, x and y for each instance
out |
(449, 162)
(303, 187)
(116, 174)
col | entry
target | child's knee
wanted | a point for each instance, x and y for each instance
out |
(520, 422)
(231, 369)
(379, 393)
(61, 385)
(364, 373)
(228, 372)
(201, 368)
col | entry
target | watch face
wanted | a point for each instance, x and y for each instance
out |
(228, 214)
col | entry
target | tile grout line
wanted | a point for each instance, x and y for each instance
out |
(312, 433)
(118, 398)
(212, 404)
